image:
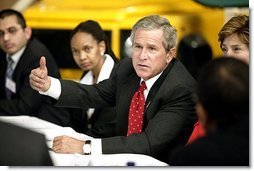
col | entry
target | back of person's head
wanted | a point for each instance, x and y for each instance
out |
(22, 147)
(9, 12)
(154, 22)
(238, 24)
(223, 90)
(194, 51)
(93, 28)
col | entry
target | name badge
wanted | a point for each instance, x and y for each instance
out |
(11, 85)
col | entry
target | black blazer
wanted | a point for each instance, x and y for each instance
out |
(169, 113)
(102, 122)
(228, 146)
(22, 147)
(27, 101)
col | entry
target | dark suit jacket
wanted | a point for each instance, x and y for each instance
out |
(169, 113)
(22, 147)
(27, 101)
(228, 146)
(103, 120)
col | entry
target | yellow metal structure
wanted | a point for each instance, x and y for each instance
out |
(115, 15)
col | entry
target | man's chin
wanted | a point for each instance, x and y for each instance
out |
(9, 51)
(143, 75)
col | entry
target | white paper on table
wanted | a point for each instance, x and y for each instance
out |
(59, 159)
(28, 122)
(49, 129)
(123, 159)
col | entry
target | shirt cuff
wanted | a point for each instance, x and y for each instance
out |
(54, 89)
(96, 146)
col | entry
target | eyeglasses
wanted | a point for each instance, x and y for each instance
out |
(11, 30)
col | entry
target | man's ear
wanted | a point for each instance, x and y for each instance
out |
(170, 54)
(28, 32)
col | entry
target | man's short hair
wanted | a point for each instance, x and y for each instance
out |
(8, 12)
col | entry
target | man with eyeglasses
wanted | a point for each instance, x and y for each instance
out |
(24, 52)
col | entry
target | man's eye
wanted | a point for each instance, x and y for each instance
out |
(224, 49)
(12, 30)
(137, 46)
(152, 48)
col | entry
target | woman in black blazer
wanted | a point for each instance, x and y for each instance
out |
(92, 53)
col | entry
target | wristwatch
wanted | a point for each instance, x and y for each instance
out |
(87, 147)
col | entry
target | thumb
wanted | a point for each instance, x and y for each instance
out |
(43, 63)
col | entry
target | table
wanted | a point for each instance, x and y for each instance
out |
(51, 130)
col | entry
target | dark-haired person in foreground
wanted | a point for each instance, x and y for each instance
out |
(223, 110)
(22, 147)
(234, 42)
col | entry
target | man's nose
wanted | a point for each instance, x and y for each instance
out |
(6, 36)
(144, 54)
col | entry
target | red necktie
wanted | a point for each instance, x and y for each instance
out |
(136, 111)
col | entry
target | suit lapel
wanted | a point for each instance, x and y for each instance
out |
(155, 88)
(127, 91)
(3, 67)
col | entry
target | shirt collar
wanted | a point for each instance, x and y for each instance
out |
(16, 56)
(104, 72)
(151, 81)
(106, 68)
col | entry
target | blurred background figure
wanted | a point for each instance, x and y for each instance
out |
(234, 38)
(92, 53)
(20, 52)
(128, 47)
(223, 110)
(194, 51)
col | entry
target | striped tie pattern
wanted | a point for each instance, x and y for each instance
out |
(9, 73)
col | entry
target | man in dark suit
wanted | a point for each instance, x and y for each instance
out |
(16, 44)
(22, 147)
(223, 109)
(168, 111)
